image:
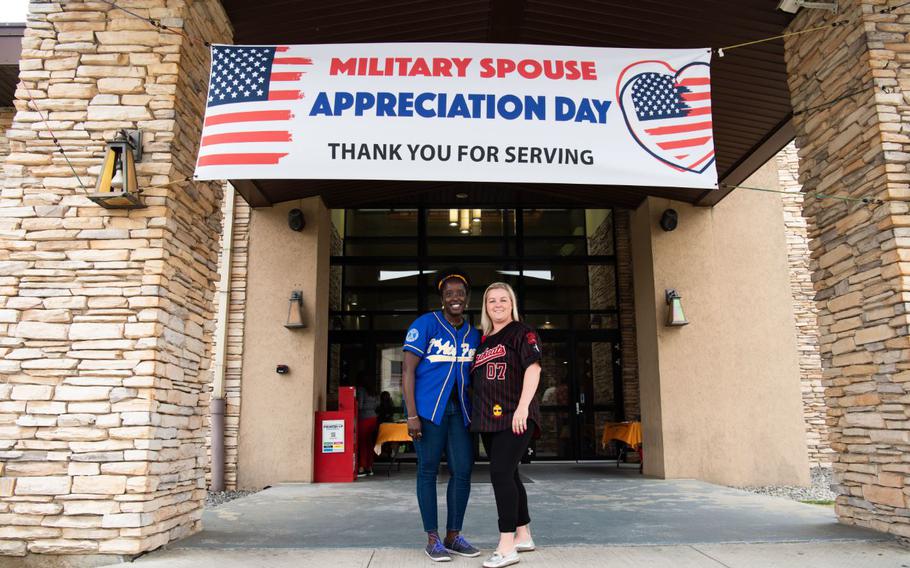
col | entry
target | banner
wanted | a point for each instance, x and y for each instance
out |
(460, 112)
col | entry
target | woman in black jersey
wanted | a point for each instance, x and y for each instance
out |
(505, 376)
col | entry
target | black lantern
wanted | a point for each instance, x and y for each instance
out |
(117, 187)
(295, 311)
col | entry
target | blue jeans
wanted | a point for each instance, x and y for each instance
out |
(452, 436)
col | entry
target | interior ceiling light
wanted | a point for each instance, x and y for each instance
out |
(461, 195)
(453, 217)
(539, 274)
(464, 221)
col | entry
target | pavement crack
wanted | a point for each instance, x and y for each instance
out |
(706, 555)
(370, 559)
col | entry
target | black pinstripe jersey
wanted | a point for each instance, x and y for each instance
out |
(497, 377)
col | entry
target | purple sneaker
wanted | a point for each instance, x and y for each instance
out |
(462, 547)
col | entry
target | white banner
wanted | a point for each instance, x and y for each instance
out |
(460, 112)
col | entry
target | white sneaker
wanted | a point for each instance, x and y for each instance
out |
(497, 560)
(526, 546)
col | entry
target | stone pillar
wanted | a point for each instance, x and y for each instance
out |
(805, 311)
(858, 147)
(105, 315)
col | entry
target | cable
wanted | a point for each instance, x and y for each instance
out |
(154, 22)
(893, 8)
(829, 103)
(721, 50)
(889, 10)
(31, 99)
(864, 200)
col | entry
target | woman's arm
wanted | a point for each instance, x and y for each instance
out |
(528, 387)
(407, 389)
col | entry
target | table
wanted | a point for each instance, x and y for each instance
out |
(391, 432)
(627, 432)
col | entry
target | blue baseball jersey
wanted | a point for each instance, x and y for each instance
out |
(445, 355)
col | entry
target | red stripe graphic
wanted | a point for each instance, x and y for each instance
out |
(284, 95)
(699, 111)
(234, 137)
(696, 96)
(683, 143)
(249, 116)
(292, 61)
(239, 159)
(285, 76)
(282, 48)
(711, 153)
(694, 81)
(679, 128)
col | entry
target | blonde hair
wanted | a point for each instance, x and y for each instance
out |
(485, 322)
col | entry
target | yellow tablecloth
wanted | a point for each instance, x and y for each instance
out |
(391, 432)
(628, 432)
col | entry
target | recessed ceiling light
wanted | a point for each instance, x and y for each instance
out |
(461, 195)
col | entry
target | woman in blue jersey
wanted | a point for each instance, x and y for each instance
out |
(438, 352)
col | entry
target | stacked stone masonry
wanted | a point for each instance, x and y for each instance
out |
(235, 326)
(6, 120)
(105, 315)
(804, 310)
(859, 147)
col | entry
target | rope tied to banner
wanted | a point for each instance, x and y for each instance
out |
(817, 195)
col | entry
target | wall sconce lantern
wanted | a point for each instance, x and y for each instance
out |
(675, 315)
(117, 187)
(295, 311)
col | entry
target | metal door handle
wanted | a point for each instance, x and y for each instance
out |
(577, 408)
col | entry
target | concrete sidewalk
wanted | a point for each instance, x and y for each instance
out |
(853, 554)
(594, 515)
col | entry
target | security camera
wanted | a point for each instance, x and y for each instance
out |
(792, 6)
(788, 6)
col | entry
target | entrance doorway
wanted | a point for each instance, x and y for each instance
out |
(562, 265)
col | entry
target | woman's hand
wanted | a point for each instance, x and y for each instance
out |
(414, 430)
(520, 420)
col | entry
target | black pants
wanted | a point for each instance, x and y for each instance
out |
(505, 450)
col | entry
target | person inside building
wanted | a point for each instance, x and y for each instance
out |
(438, 350)
(505, 377)
(386, 409)
(367, 423)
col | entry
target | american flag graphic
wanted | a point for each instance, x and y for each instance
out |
(247, 118)
(669, 112)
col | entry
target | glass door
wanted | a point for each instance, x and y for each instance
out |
(599, 392)
(580, 391)
(557, 399)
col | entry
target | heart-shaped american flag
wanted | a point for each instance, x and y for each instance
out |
(668, 112)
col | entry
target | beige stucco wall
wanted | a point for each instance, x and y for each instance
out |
(720, 397)
(276, 423)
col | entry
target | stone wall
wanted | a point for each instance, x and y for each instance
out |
(626, 291)
(804, 309)
(236, 317)
(858, 147)
(6, 120)
(105, 315)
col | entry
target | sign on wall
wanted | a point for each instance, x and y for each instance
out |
(333, 436)
(460, 112)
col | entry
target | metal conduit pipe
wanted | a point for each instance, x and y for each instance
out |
(220, 357)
